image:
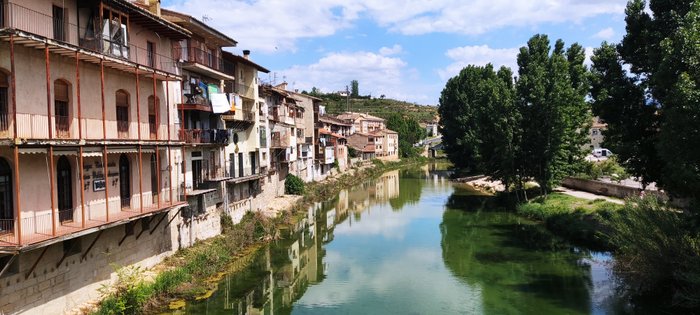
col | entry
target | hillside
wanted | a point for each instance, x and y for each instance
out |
(336, 104)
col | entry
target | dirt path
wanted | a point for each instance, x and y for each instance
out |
(587, 195)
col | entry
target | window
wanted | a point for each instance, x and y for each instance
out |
(154, 179)
(114, 34)
(4, 97)
(2, 13)
(124, 181)
(58, 23)
(153, 106)
(150, 54)
(64, 190)
(7, 209)
(61, 94)
(122, 113)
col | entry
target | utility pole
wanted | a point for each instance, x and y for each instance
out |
(347, 98)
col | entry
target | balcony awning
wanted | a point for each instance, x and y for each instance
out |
(69, 152)
(32, 151)
(122, 150)
(92, 153)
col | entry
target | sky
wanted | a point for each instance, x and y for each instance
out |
(406, 50)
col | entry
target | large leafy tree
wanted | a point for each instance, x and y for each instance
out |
(551, 93)
(480, 122)
(410, 132)
(662, 49)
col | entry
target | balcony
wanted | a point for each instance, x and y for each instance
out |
(198, 60)
(280, 114)
(326, 154)
(280, 140)
(30, 21)
(205, 136)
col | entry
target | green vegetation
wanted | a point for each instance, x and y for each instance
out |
(658, 252)
(187, 272)
(380, 107)
(410, 132)
(532, 128)
(293, 185)
(610, 168)
(580, 221)
(652, 110)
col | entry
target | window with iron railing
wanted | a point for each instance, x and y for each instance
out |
(62, 108)
(58, 23)
(122, 113)
(4, 87)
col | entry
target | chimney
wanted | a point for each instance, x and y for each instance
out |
(246, 54)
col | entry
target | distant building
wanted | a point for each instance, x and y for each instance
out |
(596, 134)
(363, 123)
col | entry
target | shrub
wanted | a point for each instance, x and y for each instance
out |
(658, 251)
(293, 185)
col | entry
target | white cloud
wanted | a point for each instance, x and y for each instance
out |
(276, 25)
(480, 56)
(605, 34)
(376, 73)
(388, 51)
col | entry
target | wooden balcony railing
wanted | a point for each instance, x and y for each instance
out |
(60, 29)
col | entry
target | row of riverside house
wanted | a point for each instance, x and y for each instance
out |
(126, 131)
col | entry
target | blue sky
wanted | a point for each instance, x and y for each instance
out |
(404, 49)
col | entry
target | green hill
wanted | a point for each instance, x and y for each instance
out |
(336, 104)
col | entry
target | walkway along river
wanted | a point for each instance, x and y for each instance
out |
(410, 242)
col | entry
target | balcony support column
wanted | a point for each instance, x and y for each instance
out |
(170, 175)
(167, 105)
(48, 90)
(104, 116)
(158, 174)
(77, 94)
(18, 208)
(140, 181)
(182, 149)
(106, 179)
(81, 172)
(52, 188)
(13, 85)
(156, 108)
(138, 109)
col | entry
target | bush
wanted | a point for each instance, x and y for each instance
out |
(293, 185)
(658, 252)
(609, 167)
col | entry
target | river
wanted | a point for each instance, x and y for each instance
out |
(410, 242)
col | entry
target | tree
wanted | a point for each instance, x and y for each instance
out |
(354, 88)
(551, 94)
(657, 109)
(410, 132)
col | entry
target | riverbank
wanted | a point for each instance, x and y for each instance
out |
(581, 221)
(192, 273)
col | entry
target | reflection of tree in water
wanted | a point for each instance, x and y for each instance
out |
(410, 188)
(519, 266)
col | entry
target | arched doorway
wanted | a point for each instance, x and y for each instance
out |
(124, 181)
(154, 179)
(64, 190)
(7, 209)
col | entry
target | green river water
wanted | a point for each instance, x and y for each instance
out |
(410, 242)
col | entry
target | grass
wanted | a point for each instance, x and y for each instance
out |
(584, 222)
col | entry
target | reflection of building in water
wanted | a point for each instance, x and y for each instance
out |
(386, 186)
(278, 278)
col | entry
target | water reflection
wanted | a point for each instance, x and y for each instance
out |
(411, 243)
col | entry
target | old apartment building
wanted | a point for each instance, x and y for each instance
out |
(126, 131)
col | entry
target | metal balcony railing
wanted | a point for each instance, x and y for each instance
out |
(203, 57)
(215, 136)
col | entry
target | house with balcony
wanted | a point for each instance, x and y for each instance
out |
(202, 104)
(387, 146)
(88, 143)
(282, 111)
(333, 131)
(306, 135)
(248, 153)
(362, 122)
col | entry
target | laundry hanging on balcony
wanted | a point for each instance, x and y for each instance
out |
(219, 103)
(235, 100)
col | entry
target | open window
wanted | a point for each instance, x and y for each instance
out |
(115, 39)
(153, 106)
(4, 99)
(122, 98)
(62, 91)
